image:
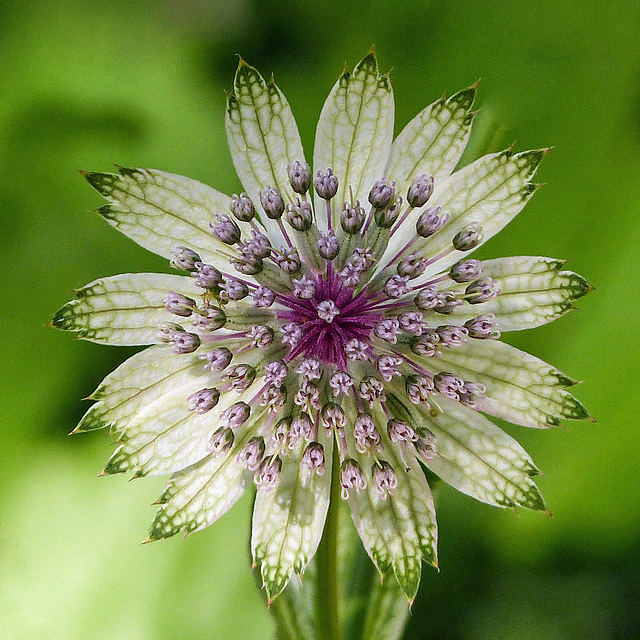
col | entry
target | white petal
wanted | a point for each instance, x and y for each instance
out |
(354, 133)
(161, 211)
(479, 459)
(263, 139)
(519, 387)
(288, 520)
(433, 142)
(533, 291)
(125, 310)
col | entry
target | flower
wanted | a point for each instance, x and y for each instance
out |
(328, 327)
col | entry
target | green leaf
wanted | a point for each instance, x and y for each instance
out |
(288, 521)
(263, 138)
(160, 211)
(123, 310)
(491, 191)
(519, 387)
(478, 458)
(533, 291)
(354, 133)
(433, 142)
(197, 496)
(398, 531)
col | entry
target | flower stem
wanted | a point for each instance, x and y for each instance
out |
(328, 589)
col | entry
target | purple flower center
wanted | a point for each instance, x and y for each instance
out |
(330, 319)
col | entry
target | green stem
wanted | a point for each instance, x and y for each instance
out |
(328, 588)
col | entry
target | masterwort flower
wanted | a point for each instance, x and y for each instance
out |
(327, 326)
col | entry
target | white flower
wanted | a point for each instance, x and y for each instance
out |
(327, 320)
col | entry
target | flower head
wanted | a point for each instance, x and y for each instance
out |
(327, 327)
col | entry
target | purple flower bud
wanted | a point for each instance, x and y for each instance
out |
(252, 453)
(274, 398)
(425, 345)
(281, 431)
(299, 177)
(385, 218)
(304, 288)
(236, 415)
(351, 477)
(288, 260)
(362, 258)
(303, 424)
(207, 277)
(291, 334)
(350, 276)
(452, 336)
(203, 400)
(268, 473)
(471, 394)
(184, 259)
(276, 372)
(400, 431)
(326, 184)
(234, 289)
(382, 193)
(446, 302)
(263, 297)
(167, 331)
(430, 221)
(341, 383)
(185, 342)
(221, 441)
(225, 229)
(466, 271)
(387, 366)
(178, 304)
(396, 286)
(272, 202)
(426, 446)
(418, 388)
(365, 434)
(420, 190)
(258, 247)
(299, 215)
(261, 336)
(469, 238)
(385, 481)
(332, 416)
(328, 245)
(242, 207)
(313, 459)
(448, 385)
(387, 329)
(248, 266)
(413, 265)
(327, 310)
(411, 322)
(356, 350)
(481, 291)
(481, 327)
(241, 377)
(307, 396)
(352, 217)
(427, 298)
(209, 319)
(372, 389)
(217, 359)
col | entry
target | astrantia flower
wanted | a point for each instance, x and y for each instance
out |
(328, 325)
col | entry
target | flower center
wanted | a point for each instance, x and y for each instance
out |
(330, 320)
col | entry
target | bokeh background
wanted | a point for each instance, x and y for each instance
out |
(88, 84)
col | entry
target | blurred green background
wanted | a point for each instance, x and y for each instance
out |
(87, 84)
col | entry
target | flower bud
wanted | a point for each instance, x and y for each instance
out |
(326, 184)
(299, 215)
(351, 477)
(469, 238)
(420, 191)
(430, 221)
(272, 202)
(184, 259)
(203, 400)
(352, 217)
(242, 207)
(221, 441)
(385, 481)
(466, 271)
(225, 229)
(382, 193)
(313, 459)
(178, 304)
(299, 177)
(328, 245)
